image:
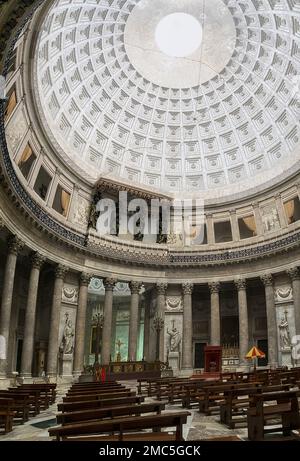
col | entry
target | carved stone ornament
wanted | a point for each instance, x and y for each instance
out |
(70, 295)
(109, 284)
(85, 278)
(37, 260)
(15, 245)
(240, 284)
(174, 303)
(135, 287)
(60, 271)
(214, 287)
(293, 273)
(267, 279)
(283, 294)
(284, 333)
(161, 288)
(187, 288)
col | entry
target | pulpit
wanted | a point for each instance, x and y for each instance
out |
(213, 359)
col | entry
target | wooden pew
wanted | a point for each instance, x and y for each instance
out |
(236, 402)
(122, 426)
(6, 414)
(88, 404)
(109, 412)
(285, 408)
(45, 388)
(99, 396)
(20, 405)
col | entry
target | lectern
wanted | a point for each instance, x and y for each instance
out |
(213, 359)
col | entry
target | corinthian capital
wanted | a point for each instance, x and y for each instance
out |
(135, 287)
(267, 280)
(214, 287)
(85, 278)
(109, 284)
(187, 288)
(293, 273)
(60, 271)
(15, 245)
(161, 288)
(37, 260)
(240, 284)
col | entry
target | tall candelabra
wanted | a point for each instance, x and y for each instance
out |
(98, 320)
(158, 324)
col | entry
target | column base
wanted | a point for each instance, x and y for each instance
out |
(25, 379)
(186, 372)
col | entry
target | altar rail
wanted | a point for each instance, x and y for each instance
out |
(127, 370)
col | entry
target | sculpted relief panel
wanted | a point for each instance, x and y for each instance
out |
(270, 218)
(16, 130)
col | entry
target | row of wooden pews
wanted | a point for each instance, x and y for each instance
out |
(18, 404)
(110, 411)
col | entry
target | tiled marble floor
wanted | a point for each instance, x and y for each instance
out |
(198, 427)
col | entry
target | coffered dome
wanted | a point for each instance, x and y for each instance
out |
(219, 117)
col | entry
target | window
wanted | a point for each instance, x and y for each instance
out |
(292, 210)
(11, 64)
(61, 201)
(26, 161)
(247, 227)
(223, 232)
(11, 104)
(42, 183)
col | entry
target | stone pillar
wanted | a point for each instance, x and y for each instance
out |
(267, 280)
(187, 343)
(14, 246)
(107, 325)
(281, 212)
(295, 279)
(243, 320)
(37, 261)
(234, 226)
(80, 328)
(210, 229)
(161, 288)
(53, 346)
(215, 323)
(258, 220)
(146, 331)
(135, 288)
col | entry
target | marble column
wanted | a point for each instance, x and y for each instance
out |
(135, 288)
(215, 322)
(14, 246)
(267, 280)
(243, 320)
(234, 226)
(281, 212)
(258, 220)
(187, 343)
(53, 345)
(146, 332)
(37, 261)
(107, 324)
(161, 289)
(210, 229)
(80, 328)
(295, 279)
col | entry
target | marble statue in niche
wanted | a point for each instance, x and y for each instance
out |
(67, 342)
(175, 338)
(284, 332)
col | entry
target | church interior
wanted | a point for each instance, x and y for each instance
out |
(149, 220)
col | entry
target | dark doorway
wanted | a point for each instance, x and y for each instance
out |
(19, 355)
(262, 344)
(199, 355)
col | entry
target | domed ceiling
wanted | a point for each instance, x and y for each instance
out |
(187, 96)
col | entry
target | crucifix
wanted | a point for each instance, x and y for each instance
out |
(98, 320)
(119, 344)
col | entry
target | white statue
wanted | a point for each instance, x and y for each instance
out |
(175, 338)
(285, 339)
(67, 343)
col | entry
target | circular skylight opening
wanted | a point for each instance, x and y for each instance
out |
(178, 35)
